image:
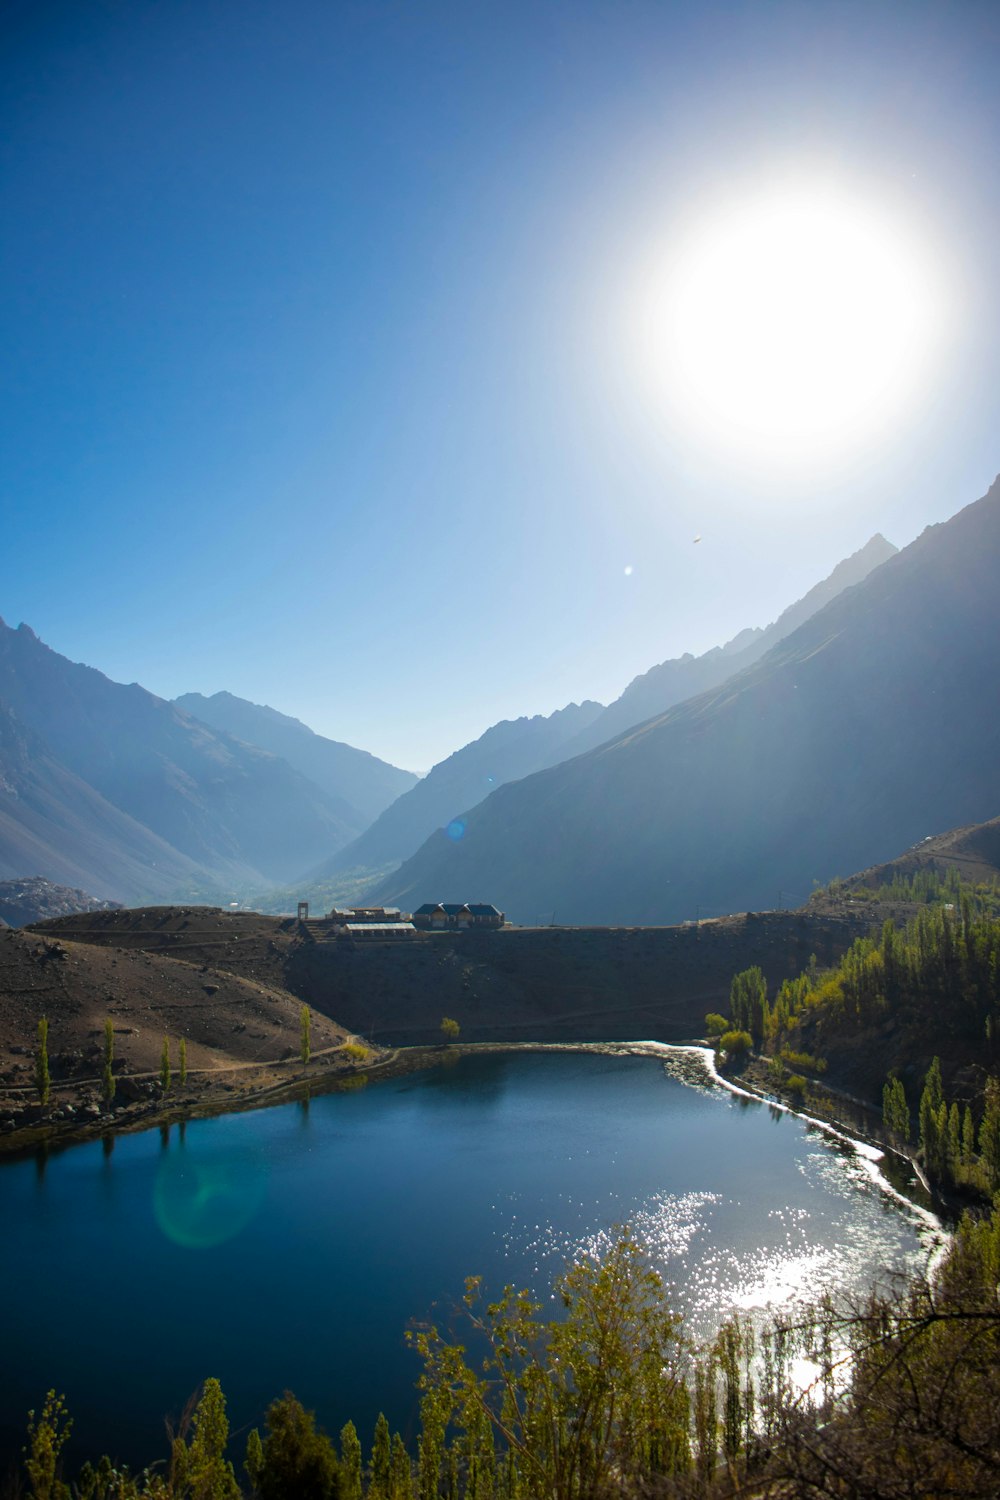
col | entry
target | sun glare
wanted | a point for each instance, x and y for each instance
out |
(790, 323)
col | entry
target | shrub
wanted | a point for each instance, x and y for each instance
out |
(805, 1062)
(795, 1084)
(735, 1043)
(355, 1050)
(715, 1024)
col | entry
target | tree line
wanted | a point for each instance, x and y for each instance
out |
(901, 1397)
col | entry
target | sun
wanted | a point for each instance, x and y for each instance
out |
(790, 322)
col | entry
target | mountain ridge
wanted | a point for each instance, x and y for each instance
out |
(223, 806)
(715, 803)
(505, 752)
(360, 784)
(671, 681)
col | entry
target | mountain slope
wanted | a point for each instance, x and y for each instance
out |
(53, 823)
(362, 785)
(231, 808)
(506, 752)
(36, 900)
(685, 676)
(873, 724)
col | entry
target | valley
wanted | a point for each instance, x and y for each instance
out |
(233, 984)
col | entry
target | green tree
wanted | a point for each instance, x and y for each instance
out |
(735, 1043)
(748, 1002)
(46, 1438)
(931, 1122)
(298, 1458)
(107, 1075)
(895, 1110)
(715, 1024)
(182, 1060)
(400, 1472)
(449, 1028)
(253, 1462)
(953, 1138)
(43, 1080)
(165, 1065)
(381, 1461)
(989, 1134)
(584, 1405)
(304, 1043)
(350, 1463)
(209, 1474)
(968, 1138)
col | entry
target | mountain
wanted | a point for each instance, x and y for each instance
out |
(232, 809)
(973, 853)
(873, 724)
(36, 900)
(361, 784)
(506, 752)
(685, 676)
(52, 821)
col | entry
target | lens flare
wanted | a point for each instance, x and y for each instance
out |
(199, 1205)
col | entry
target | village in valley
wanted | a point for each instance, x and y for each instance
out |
(388, 923)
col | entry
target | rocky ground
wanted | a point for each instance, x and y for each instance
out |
(233, 985)
(242, 1030)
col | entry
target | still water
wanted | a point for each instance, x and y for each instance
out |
(292, 1247)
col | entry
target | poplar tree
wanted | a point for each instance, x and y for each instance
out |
(989, 1134)
(968, 1138)
(400, 1472)
(43, 1080)
(253, 1462)
(748, 1002)
(895, 1112)
(209, 1475)
(931, 1106)
(165, 1065)
(381, 1461)
(304, 1033)
(350, 1463)
(107, 1076)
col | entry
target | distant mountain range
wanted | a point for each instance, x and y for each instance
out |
(872, 724)
(360, 785)
(506, 752)
(687, 676)
(517, 748)
(52, 821)
(113, 789)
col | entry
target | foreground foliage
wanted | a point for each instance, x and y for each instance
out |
(902, 1400)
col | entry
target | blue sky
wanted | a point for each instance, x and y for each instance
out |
(318, 386)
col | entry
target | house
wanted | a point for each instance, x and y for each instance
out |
(340, 916)
(441, 916)
(386, 931)
(430, 917)
(485, 915)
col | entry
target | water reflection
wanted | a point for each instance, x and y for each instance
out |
(378, 1203)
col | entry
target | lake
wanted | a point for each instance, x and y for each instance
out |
(291, 1247)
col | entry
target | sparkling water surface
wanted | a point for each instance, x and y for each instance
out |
(292, 1247)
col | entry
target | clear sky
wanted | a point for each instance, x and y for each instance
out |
(327, 335)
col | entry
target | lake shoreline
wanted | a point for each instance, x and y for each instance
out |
(323, 1075)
